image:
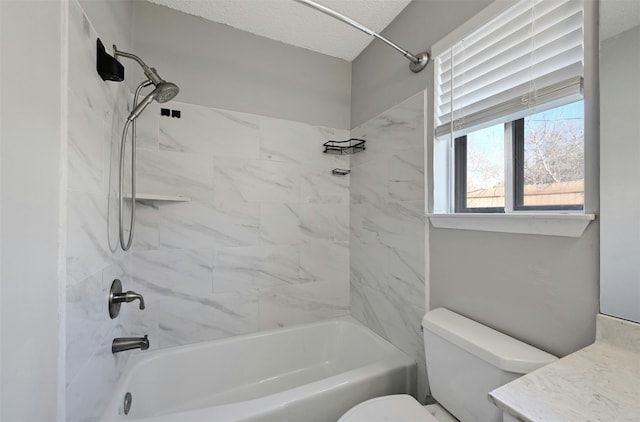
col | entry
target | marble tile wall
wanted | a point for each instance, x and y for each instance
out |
(262, 243)
(269, 237)
(387, 229)
(95, 117)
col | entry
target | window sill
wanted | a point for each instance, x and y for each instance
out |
(544, 224)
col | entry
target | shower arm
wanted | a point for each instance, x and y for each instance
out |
(418, 61)
(149, 72)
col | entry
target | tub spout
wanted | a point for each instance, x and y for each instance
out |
(121, 344)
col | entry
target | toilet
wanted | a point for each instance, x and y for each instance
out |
(465, 361)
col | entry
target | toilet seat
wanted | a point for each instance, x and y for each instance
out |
(396, 408)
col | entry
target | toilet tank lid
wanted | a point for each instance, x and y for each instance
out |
(492, 346)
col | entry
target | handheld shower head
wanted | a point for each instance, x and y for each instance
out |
(164, 91)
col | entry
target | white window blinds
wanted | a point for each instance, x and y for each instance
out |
(527, 59)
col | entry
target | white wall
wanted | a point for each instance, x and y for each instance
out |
(381, 77)
(30, 209)
(219, 66)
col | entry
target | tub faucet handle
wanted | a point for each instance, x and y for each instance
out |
(117, 297)
(130, 296)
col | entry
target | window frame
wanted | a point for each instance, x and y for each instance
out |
(440, 208)
(514, 176)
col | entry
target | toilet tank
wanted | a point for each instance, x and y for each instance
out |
(466, 360)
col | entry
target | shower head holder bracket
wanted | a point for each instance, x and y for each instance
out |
(107, 66)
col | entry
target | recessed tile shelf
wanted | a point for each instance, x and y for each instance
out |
(150, 197)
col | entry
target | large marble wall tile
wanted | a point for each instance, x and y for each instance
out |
(148, 127)
(256, 180)
(273, 217)
(117, 327)
(171, 173)
(370, 265)
(362, 306)
(280, 223)
(87, 394)
(369, 181)
(324, 261)
(406, 272)
(242, 269)
(357, 214)
(341, 223)
(393, 319)
(84, 319)
(294, 142)
(303, 303)
(88, 249)
(387, 229)
(86, 146)
(406, 175)
(198, 225)
(177, 271)
(83, 78)
(201, 319)
(82, 401)
(317, 222)
(145, 322)
(96, 115)
(396, 224)
(147, 231)
(210, 131)
(397, 129)
(322, 187)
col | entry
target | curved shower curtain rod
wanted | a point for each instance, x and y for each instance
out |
(418, 61)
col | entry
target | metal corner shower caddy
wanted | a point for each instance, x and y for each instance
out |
(418, 61)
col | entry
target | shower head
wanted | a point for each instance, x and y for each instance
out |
(164, 91)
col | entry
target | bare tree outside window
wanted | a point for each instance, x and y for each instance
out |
(554, 148)
(550, 155)
(554, 157)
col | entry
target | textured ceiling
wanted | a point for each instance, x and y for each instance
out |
(296, 24)
(618, 16)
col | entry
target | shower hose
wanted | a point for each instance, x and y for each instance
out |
(130, 122)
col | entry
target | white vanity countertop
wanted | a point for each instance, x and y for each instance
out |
(598, 383)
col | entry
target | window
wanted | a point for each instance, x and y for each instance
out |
(509, 112)
(479, 165)
(546, 164)
(549, 160)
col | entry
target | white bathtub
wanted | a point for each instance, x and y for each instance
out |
(312, 372)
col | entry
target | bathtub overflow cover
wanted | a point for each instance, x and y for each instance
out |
(127, 403)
